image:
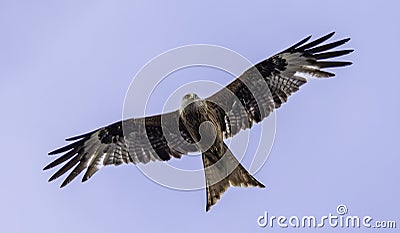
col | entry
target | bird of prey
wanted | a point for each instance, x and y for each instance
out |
(201, 125)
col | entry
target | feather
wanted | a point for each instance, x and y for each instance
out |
(293, 47)
(62, 158)
(66, 167)
(330, 64)
(326, 47)
(333, 54)
(315, 42)
(77, 170)
(67, 147)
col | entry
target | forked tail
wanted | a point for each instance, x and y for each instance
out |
(222, 170)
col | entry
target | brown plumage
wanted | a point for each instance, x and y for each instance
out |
(201, 125)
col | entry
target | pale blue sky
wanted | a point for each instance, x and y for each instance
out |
(65, 68)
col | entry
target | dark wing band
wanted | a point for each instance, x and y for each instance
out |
(141, 140)
(267, 85)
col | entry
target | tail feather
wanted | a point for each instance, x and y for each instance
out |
(223, 170)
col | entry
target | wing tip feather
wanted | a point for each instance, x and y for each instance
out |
(47, 167)
(64, 183)
(73, 138)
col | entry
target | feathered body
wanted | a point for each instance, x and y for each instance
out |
(221, 168)
(201, 125)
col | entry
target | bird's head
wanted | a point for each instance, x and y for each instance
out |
(188, 99)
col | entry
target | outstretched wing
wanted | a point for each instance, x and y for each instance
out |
(141, 140)
(262, 88)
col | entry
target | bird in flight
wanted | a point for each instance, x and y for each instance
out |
(201, 125)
